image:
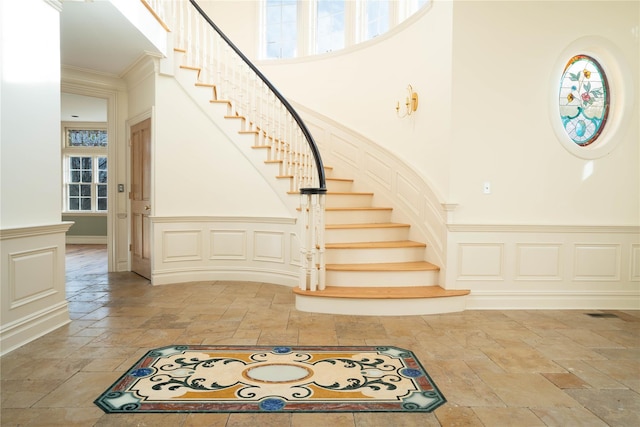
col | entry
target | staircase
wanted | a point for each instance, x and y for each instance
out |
(372, 268)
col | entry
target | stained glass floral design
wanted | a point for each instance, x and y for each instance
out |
(583, 99)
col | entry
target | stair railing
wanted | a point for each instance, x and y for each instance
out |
(266, 112)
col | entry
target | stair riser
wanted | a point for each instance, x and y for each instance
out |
(380, 307)
(382, 278)
(373, 255)
(349, 235)
(357, 217)
(340, 186)
(348, 200)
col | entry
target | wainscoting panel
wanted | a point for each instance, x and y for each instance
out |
(348, 152)
(182, 245)
(409, 194)
(378, 170)
(228, 244)
(225, 248)
(32, 268)
(32, 275)
(597, 262)
(268, 246)
(539, 261)
(538, 267)
(634, 263)
(481, 261)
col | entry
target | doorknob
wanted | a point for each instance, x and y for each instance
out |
(147, 208)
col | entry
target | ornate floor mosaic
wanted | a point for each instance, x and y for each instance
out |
(274, 379)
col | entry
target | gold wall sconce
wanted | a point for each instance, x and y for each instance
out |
(410, 103)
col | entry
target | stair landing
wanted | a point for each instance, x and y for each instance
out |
(381, 301)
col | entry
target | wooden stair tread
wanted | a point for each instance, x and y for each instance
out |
(366, 225)
(348, 193)
(376, 245)
(340, 179)
(404, 292)
(384, 266)
(360, 208)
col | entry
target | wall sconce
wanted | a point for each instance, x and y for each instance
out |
(410, 104)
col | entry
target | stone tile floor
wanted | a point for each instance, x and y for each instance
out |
(496, 368)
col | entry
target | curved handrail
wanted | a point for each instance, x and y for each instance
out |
(312, 144)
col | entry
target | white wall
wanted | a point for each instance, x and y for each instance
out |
(483, 71)
(504, 58)
(30, 115)
(32, 247)
(198, 170)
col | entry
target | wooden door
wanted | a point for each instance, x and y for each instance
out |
(141, 198)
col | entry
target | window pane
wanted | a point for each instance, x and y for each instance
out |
(102, 163)
(74, 190)
(75, 162)
(75, 176)
(86, 138)
(74, 203)
(377, 21)
(85, 190)
(86, 176)
(86, 204)
(102, 204)
(86, 163)
(330, 31)
(102, 191)
(281, 28)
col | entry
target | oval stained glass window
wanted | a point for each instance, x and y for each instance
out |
(584, 99)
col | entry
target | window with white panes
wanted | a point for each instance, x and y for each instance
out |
(85, 170)
(299, 28)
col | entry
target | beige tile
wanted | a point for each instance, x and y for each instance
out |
(567, 380)
(615, 407)
(521, 359)
(323, 419)
(261, 419)
(200, 420)
(521, 417)
(79, 391)
(527, 390)
(563, 417)
(457, 416)
(387, 419)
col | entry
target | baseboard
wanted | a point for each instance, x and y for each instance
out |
(23, 331)
(554, 301)
(86, 240)
(239, 275)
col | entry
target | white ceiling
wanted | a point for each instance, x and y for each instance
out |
(95, 36)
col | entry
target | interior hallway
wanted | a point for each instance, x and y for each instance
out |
(495, 368)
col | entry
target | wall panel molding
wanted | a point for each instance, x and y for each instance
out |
(32, 280)
(225, 248)
(545, 266)
(32, 275)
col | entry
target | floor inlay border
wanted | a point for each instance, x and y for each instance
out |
(202, 378)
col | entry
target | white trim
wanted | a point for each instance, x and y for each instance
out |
(86, 240)
(553, 300)
(533, 228)
(36, 230)
(27, 329)
(621, 92)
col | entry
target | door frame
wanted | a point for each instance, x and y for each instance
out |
(111, 95)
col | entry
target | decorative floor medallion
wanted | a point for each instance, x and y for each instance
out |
(263, 379)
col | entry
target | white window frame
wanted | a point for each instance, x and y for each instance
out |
(355, 23)
(94, 153)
